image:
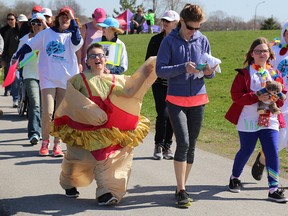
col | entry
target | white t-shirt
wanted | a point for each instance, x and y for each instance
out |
(248, 120)
(281, 63)
(57, 58)
(30, 71)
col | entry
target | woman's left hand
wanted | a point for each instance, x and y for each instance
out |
(70, 14)
(208, 70)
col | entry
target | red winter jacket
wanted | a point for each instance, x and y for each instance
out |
(242, 95)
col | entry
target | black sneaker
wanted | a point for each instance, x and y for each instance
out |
(72, 192)
(167, 154)
(158, 155)
(235, 185)
(183, 200)
(7, 93)
(190, 199)
(257, 169)
(107, 199)
(277, 196)
(34, 139)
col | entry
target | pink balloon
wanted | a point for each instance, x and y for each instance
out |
(11, 75)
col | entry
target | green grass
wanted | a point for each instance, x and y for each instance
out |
(217, 134)
(1, 75)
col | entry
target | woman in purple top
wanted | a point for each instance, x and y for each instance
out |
(177, 59)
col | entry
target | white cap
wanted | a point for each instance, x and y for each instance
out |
(171, 15)
(38, 16)
(22, 18)
(47, 12)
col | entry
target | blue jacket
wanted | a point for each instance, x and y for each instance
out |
(173, 53)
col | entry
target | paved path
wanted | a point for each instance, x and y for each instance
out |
(29, 183)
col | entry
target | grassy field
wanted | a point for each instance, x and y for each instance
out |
(217, 135)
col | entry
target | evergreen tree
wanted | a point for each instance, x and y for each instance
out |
(270, 24)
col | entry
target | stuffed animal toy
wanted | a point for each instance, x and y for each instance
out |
(274, 89)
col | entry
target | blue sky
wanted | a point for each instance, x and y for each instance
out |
(239, 8)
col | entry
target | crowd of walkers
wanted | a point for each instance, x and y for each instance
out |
(80, 97)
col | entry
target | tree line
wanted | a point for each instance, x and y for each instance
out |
(216, 21)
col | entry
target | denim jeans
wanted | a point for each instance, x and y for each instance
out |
(15, 89)
(6, 69)
(34, 107)
(163, 128)
(133, 27)
(186, 123)
(14, 85)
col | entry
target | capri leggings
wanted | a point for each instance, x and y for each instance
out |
(186, 123)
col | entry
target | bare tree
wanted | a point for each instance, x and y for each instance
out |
(24, 7)
(4, 10)
(57, 5)
(220, 21)
(176, 5)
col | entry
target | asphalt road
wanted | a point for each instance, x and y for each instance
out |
(29, 183)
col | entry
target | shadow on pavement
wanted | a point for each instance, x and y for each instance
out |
(138, 197)
(29, 154)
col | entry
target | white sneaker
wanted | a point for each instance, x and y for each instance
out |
(167, 154)
(15, 104)
(158, 155)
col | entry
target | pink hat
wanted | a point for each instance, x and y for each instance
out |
(99, 15)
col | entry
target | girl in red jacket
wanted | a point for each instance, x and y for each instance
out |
(243, 113)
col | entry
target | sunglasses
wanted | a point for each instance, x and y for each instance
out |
(94, 56)
(36, 24)
(190, 27)
(164, 20)
(259, 52)
(10, 19)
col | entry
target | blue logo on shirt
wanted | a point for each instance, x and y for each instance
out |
(55, 47)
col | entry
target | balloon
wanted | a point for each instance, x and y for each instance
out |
(11, 75)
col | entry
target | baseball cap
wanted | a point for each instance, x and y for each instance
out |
(22, 18)
(65, 10)
(37, 8)
(38, 16)
(109, 22)
(171, 15)
(47, 12)
(99, 15)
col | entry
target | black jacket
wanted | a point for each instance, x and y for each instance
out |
(154, 45)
